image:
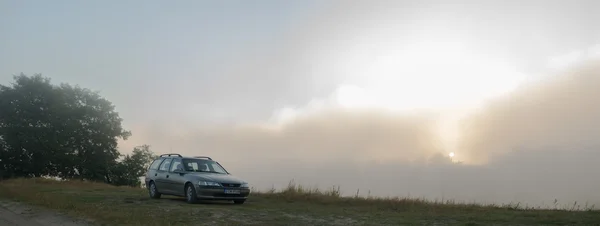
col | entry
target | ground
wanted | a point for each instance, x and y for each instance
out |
(20, 214)
(85, 203)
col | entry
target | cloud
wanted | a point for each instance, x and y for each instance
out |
(540, 141)
(324, 136)
(532, 146)
(574, 58)
(559, 113)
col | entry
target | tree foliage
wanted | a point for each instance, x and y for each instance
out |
(132, 167)
(60, 130)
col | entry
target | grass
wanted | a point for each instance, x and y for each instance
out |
(294, 205)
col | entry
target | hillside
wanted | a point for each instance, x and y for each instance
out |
(110, 205)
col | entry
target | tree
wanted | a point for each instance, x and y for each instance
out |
(25, 125)
(3, 159)
(64, 131)
(132, 167)
(94, 129)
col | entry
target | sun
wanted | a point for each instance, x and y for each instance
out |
(433, 76)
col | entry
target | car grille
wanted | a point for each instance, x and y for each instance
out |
(227, 185)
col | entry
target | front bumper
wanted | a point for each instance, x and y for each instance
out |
(218, 193)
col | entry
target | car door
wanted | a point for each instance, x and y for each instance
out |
(162, 180)
(151, 174)
(176, 180)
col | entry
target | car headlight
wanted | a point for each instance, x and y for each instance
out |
(209, 183)
(244, 185)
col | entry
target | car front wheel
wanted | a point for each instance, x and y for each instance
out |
(190, 194)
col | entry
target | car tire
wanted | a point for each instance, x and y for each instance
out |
(239, 202)
(190, 194)
(153, 191)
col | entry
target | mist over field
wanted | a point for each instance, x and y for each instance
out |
(532, 146)
(366, 95)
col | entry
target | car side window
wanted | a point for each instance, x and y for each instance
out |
(165, 165)
(176, 164)
(155, 164)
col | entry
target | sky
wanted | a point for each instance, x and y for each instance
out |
(332, 92)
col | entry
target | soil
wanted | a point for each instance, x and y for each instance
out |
(18, 214)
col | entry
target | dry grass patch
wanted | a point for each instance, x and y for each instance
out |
(293, 205)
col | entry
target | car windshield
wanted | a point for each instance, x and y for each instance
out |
(203, 165)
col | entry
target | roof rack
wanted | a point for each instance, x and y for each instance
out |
(203, 157)
(170, 154)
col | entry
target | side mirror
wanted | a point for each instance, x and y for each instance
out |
(179, 171)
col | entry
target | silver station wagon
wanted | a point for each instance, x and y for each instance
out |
(195, 178)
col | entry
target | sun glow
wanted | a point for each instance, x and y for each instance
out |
(416, 74)
(429, 76)
(435, 76)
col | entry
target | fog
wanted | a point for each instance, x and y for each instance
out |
(251, 86)
(533, 146)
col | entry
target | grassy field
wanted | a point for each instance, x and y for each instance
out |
(109, 205)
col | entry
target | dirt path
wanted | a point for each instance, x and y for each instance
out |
(18, 214)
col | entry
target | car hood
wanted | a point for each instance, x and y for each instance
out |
(219, 178)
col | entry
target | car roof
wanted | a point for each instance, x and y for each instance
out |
(180, 156)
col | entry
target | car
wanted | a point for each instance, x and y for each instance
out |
(195, 178)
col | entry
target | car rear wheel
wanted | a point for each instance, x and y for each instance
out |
(190, 194)
(239, 201)
(152, 191)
